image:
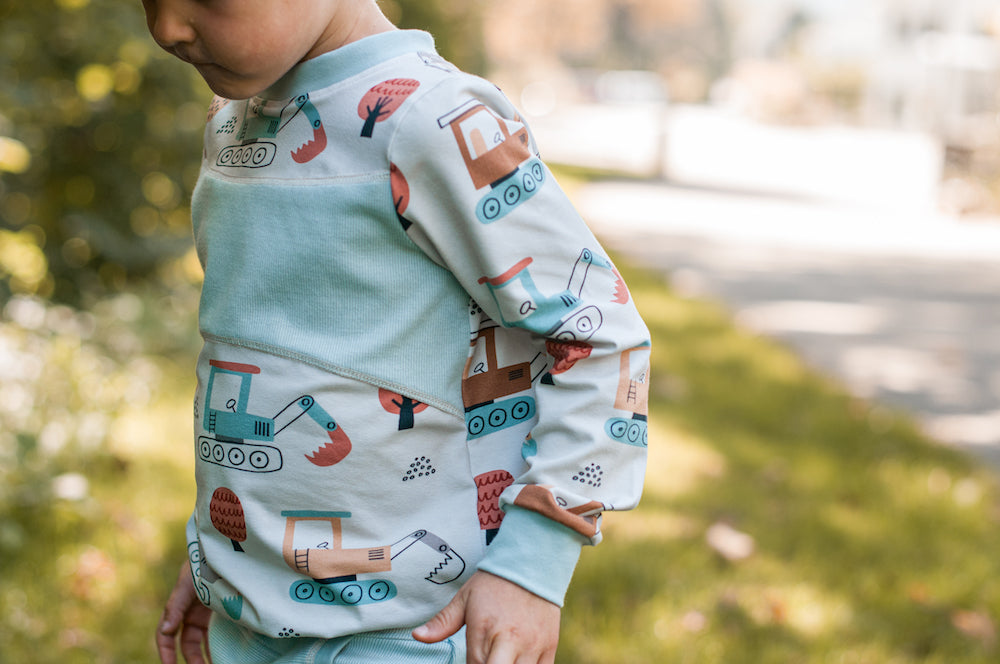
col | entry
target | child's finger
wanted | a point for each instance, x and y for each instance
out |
(505, 649)
(447, 621)
(501, 652)
(166, 642)
(178, 604)
(167, 630)
(192, 639)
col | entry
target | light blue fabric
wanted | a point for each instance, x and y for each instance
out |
(357, 297)
(230, 643)
(554, 551)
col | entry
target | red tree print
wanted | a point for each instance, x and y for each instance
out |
(383, 100)
(405, 406)
(490, 485)
(227, 516)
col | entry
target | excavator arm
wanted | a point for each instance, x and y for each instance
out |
(331, 452)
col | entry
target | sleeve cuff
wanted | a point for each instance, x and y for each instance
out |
(534, 552)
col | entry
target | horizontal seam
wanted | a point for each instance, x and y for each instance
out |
(345, 372)
(362, 178)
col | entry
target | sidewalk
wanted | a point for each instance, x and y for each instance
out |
(904, 312)
(801, 225)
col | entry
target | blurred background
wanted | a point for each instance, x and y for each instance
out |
(805, 196)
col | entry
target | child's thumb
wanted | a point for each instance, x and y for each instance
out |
(447, 621)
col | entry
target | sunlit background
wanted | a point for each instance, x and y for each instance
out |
(814, 175)
(923, 72)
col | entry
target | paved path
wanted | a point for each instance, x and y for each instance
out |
(903, 308)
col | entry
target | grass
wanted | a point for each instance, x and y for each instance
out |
(871, 544)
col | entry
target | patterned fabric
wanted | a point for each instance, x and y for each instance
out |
(411, 338)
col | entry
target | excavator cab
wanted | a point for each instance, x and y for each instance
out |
(226, 396)
(333, 570)
(485, 385)
(495, 157)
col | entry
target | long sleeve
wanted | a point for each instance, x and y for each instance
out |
(471, 192)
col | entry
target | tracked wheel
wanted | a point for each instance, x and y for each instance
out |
(350, 593)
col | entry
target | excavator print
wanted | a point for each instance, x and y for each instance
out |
(334, 570)
(484, 382)
(254, 152)
(632, 395)
(494, 157)
(556, 316)
(241, 440)
(200, 573)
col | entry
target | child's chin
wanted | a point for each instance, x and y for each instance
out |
(218, 82)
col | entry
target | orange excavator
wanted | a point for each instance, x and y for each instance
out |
(632, 395)
(495, 157)
(333, 569)
(482, 388)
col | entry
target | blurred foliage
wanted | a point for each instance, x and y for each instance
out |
(105, 132)
(456, 26)
(100, 135)
(96, 472)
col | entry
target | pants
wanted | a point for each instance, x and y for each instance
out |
(232, 644)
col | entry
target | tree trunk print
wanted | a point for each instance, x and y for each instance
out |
(382, 101)
(404, 406)
(400, 194)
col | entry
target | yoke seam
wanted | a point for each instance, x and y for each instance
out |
(345, 372)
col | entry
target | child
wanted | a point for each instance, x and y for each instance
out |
(409, 336)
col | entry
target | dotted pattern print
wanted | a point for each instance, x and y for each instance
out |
(591, 475)
(227, 128)
(218, 103)
(287, 633)
(421, 467)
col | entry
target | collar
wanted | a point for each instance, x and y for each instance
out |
(348, 60)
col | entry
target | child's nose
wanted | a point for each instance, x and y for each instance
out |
(170, 27)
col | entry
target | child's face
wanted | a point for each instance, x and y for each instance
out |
(240, 47)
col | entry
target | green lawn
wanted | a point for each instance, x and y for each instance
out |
(870, 543)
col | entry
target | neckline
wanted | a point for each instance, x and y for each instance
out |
(348, 60)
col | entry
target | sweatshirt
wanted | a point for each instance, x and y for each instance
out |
(418, 361)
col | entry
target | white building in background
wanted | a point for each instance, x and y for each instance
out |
(900, 83)
(927, 65)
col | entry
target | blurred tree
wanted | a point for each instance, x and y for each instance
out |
(456, 26)
(100, 132)
(100, 135)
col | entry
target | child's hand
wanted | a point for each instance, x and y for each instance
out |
(187, 616)
(505, 624)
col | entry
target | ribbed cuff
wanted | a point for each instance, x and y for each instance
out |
(534, 552)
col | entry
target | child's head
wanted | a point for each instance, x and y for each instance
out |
(240, 47)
